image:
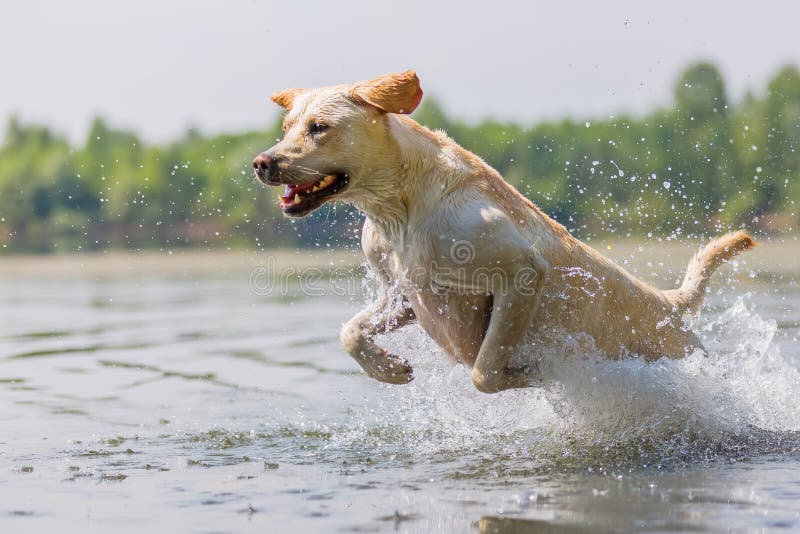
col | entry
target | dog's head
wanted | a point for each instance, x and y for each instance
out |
(331, 137)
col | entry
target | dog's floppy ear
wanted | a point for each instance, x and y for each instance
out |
(285, 98)
(392, 93)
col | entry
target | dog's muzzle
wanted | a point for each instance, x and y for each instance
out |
(265, 166)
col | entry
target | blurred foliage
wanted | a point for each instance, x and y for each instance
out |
(702, 167)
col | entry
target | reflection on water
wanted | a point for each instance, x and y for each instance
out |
(132, 400)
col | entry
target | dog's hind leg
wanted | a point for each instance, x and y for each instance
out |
(682, 346)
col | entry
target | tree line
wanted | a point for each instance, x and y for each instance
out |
(701, 166)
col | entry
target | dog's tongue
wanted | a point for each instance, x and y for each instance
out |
(292, 190)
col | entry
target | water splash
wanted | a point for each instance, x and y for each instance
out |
(595, 412)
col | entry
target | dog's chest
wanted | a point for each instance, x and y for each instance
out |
(455, 320)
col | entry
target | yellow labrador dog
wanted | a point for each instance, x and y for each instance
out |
(458, 249)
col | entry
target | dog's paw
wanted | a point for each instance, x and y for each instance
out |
(525, 376)
(391, 369)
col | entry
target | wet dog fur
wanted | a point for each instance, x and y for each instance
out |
(457, 248)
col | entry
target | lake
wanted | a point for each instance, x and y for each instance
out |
(207, 392)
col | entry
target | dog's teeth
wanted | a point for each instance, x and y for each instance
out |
(297, 198)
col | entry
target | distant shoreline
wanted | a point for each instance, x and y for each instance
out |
(777, 256)
(189, 261)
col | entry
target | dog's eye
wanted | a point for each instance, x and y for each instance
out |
(317, 128)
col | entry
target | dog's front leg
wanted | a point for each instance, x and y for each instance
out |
(357, 337)
(513, 309)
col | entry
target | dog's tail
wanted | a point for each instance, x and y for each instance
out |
(689, 297)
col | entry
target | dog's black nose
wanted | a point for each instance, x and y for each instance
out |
(264, 166)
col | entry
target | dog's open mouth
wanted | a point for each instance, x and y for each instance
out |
(302, 199)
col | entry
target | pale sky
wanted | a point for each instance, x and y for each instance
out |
(158, 67)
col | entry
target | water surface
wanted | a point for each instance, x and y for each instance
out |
(188, 399)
